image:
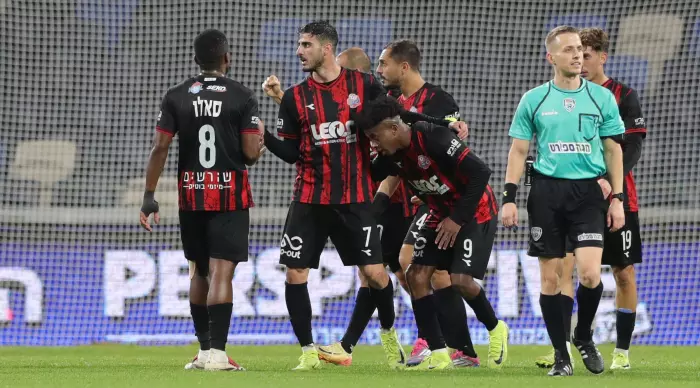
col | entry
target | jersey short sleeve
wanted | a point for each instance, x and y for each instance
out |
(166, 117)
(631, 113)
(612, 122)
(442, 105)
(288, 125)
(522, 126)
(250, 117)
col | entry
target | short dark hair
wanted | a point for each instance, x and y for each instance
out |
(323, 30)
(556, 31)
(595, 38)
(376, 111)
(209, 48)
(405, 50)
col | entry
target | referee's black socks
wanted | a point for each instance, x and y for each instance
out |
(384, 300)
(299, 308)
(567, 305)
(200, 318)
(219, 323)
(553, 319)
(361, 314)
(588, 300)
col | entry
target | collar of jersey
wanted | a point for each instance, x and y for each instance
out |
(329, 85)
(581, 87)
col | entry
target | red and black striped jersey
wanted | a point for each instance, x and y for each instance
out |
(334, 159)
(438, 167)
(433, 101)
(210, 115)
(631, 114)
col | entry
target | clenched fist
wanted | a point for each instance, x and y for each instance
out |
(272, 88)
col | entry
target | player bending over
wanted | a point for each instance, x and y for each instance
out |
(622, 249)
(566, 201)
(458, 233)
(216, 120)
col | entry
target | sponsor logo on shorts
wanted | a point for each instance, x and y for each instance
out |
(418, 246)
(590, 237)
(536, 233)
(291, 246)
(561, 147)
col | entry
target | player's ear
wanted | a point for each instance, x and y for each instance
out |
(603, 57)
(550, 59)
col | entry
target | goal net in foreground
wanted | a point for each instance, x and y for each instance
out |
(81, 84)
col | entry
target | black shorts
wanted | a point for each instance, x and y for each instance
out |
(470, 254)
(216, 235)
(393, 227)
(352, 229)
(624, 247)
(561, 209)
(418, 221)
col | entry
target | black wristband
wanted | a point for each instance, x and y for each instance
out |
(148, 195)
(509, 193)
(380, 203)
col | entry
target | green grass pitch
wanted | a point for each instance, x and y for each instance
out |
(269, 366)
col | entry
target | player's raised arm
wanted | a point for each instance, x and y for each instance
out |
(288, 129)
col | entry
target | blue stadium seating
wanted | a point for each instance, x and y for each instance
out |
(577, 20)
(113, 16)
(694, 47)
(631, 70)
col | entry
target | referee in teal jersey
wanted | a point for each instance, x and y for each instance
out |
(578, 130)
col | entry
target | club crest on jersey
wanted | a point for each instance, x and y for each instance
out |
(569, 104)
(423, 162)
(413, 109)
(195, 88)
(353, 100)
(536, 233)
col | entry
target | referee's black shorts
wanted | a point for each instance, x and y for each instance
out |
(563, 209)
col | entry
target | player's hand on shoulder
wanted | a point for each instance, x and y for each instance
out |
(509, 215)
(416, 201)
(447, 233)
(148, 207)
(272, 86)
(461, 128)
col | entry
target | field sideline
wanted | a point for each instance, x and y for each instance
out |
(268, 366)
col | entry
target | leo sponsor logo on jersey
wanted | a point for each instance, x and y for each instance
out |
(216, 88)
(561, 147)
(333, 132)
(291, 246)
(430, 186)
(454, 146)
(208, 108)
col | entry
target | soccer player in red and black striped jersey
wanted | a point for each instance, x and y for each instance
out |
(333, 190)
(219, 133)
(399, 66)
(459, 231)
(623, 248)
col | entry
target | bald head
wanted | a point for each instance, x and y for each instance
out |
(355, 58)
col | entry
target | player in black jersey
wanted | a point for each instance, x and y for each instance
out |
(399, 64)
(459, 231)
(219, 133)
(623, 248)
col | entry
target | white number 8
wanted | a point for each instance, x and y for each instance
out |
(467, 248)
(207, 138)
